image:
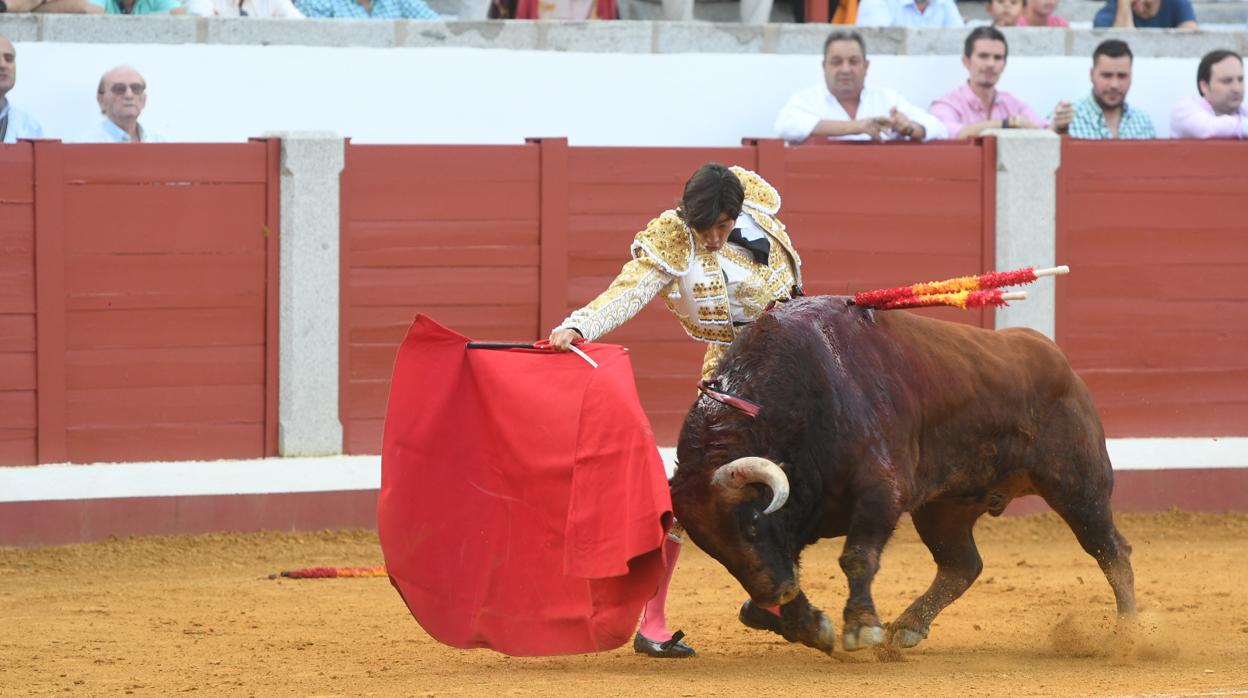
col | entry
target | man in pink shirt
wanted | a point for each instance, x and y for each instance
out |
(1040, 13)
(1219, 110)
(977, 105)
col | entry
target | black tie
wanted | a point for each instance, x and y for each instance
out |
(760, 248)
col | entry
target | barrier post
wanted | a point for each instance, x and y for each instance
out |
(308, 421)
(1026, 225)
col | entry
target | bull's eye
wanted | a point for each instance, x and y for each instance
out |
(750, 530)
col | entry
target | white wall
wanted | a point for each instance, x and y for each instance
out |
(211, 93)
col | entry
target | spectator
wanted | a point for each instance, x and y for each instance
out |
(839, 11)
(80, 7)
(1105, 113)
(140, 7)
(558, 10)
(122, 95)
(841, 107)
(1158, 14)
(14, 123)
(1005, 13)
(752, 11)
(242, 8)
(908, 13)
(1219, 110)
(1040, 13)
(977, 105)
(367, 9)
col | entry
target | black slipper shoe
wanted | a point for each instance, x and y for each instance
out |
(671, 649)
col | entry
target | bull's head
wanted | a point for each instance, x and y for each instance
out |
(729, 515)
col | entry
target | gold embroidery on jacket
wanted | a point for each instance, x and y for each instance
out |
(638, 282)
(710, 360)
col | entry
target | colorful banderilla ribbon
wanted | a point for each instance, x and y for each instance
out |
(961, 299)
(961, 292)
(332, 572)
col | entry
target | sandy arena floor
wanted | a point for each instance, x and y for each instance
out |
(159, 616)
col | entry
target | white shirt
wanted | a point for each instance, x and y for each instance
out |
(21, 124)
(233, 8)
(735, 273)
(108, 132)
(808, 107)
(904, 13)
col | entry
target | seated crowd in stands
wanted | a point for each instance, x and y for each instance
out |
(866, 13)
(353, 9)
(843, 107)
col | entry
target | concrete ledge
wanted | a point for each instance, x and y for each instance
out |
(705, 37)
(24, 27)
(590, 37)
(309, 32)
(115, 29)
(521, 36)
(596, 37)
(1157, 43)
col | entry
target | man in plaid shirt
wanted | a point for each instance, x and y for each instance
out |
(367, 9)
(1105, 114)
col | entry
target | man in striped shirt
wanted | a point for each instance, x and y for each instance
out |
(1105, 114)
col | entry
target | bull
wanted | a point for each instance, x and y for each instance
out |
(864, 415)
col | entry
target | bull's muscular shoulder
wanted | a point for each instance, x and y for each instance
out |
(666, 242)
(759, 193)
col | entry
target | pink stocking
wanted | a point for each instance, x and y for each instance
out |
(653, 620)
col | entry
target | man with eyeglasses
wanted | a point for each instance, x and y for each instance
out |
(14, 123)
(122, 95)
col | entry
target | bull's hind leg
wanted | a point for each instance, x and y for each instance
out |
(945, 529)
(1093, 524)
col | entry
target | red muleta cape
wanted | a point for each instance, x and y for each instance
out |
(523, 502)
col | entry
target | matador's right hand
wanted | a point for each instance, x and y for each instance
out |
(562, 339)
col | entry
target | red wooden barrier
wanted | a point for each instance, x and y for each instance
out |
(18, 358)
(451, 231)
(152, 291)
(1155, 317)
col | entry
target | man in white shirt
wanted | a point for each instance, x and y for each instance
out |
(122, 95)
(842, 108)
(908, 13)
(242, 8)
(14, 123)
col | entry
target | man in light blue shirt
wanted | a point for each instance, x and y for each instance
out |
(909, 13)
(140, 7)
(122, 95)
(14, 123)
(367, 9)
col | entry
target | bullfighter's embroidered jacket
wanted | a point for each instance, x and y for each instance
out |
(706, 291)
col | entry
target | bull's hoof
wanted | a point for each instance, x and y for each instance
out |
(862, 636)
(825, 635)
(907, 638)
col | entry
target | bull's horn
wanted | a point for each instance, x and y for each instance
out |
(743, 471)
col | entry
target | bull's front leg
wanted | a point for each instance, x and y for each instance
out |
(870, 527)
